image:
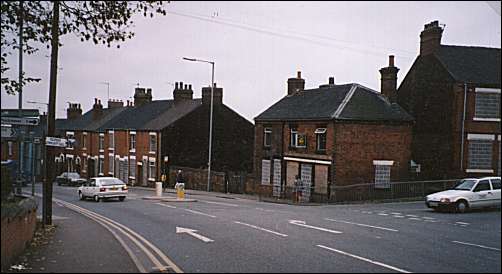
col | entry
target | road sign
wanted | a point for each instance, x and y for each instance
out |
(20, 113)
(8, 132)
(24, 121)
(55, 142)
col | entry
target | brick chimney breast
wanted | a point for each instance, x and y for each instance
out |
(182, 92)
(217, 95)
(142, 96)
(430, 38)
(389, 81)
(296, 84)
(97, 109)
(73, 111)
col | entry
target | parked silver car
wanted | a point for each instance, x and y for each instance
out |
(467, 194)
(103, 188)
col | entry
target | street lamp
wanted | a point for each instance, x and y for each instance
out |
(211, 116)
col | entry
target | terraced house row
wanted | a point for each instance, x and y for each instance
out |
(145, 138)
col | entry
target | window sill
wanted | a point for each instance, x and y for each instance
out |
(477, 119)
(151, 179)
(132, 151)
(479, 171)
(151, 152)
(101, 150)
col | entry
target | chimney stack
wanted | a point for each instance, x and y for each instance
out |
(73, 111)
(182, 93)
(142, 96)
(97, 109)
(430, 38)
(217, 95)
(115, 103)
(296, 84)
(388, 86)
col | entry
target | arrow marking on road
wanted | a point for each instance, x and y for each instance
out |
(302, 223)
(191, 232)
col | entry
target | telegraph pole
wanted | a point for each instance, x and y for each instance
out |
(51, 118)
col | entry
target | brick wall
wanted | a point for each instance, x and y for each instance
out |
(358, 145)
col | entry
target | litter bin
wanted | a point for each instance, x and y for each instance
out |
(180, 190)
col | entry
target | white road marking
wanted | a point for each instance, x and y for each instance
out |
(191, 232)
(383, 214)
(398, 216)
(262, 229)
(414, 216)
(200, 213)
(367, 212)
(54, 217)
(462, 223)
(431, 221)
(303, 224)
(219, 203)
(169, 206)
(416, 219)
(395, 213)
(480, 246)
(377, 227)
(364, 259)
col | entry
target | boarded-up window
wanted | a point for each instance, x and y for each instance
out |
(265, 172)
(277, 189)
(487, 105)
(291, 172)
(382, 173)
(132, 168)
(480, 154)
(321, 179)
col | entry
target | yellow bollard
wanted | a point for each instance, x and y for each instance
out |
(180, 190)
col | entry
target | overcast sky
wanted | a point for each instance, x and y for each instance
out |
(256, 47)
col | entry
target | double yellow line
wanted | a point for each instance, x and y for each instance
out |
(162, 263)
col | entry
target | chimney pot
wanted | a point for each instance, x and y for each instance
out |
(331, 80)
(176, 85)
(190, 87)
(391, 60)
(299, 74)
(181, 85)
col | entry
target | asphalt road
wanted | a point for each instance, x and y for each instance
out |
(241, 235)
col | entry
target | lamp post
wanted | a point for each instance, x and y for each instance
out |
(210, 119)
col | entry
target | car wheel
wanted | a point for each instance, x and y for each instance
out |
(121, 199)
(462, 207)
(96, 198)
(81, 196)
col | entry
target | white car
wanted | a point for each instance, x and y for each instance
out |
(467, 194)
(103, 188)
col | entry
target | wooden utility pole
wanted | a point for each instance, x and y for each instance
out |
(51, 118)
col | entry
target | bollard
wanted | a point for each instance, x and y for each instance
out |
(158, 189)
(180, 190)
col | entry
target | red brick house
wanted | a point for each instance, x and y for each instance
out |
(453, 92)
(334, 135)
(140, 141)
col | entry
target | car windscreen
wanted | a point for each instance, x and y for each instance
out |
(465, 185)
(110, 182)
(73, 175)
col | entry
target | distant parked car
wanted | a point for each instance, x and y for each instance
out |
(467, 194)
(103, 188)
(70, 179)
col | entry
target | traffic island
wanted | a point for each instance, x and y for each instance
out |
(167, 199)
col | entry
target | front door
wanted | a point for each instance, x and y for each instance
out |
(306, 175)
(139, 175)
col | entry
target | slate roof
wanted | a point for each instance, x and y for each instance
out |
(478, 65)
(339, 102)
(86, 123)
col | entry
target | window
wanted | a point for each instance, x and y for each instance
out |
(382, 173)
(153, 142)
(9, 145)
(111, 164)
(482, 186)
(132, 168)
(496, 183)
(487, 104)
(132, 141)
(101, 141)
(70, 136)
(293, 137)
(84, 140)
(320, 139)
(152, 170)
(267, 137)
(480, 154)
(111, 140)
(100, 166)
(301, 141)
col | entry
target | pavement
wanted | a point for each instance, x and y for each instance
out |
(76, 245)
